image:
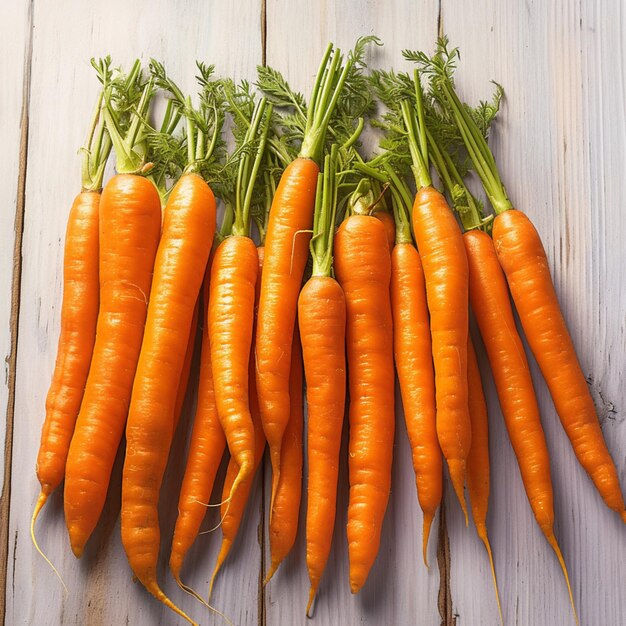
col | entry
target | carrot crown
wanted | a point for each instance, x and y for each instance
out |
(98, 145)
(440, 68)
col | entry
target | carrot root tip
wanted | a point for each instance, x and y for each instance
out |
(457, 476)
(559, 555)
(271, 572)
(623, 516)
(311, 601)
(426, 524)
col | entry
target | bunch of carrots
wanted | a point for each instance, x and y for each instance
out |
(326, 269)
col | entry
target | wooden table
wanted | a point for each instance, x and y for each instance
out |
(561, 145)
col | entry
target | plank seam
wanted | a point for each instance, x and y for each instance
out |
(444, 600)
(16, 281)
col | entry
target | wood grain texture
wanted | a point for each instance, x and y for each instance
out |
(561, 145)
(64, 88)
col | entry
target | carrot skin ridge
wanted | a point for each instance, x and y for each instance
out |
(234, 275)
(206, 449)
(414, 364)
(287, 250)
(478, 468)
(523, 259)
(130, 225)
(322, 323)
(363, 268)
(441, 249)
(188, 228)
(286, 512)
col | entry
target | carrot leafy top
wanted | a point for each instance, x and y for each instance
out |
(98, 145)
(440, 68)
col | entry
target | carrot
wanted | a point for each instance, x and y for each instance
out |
(286, 510)
(206, 448)
(390, 226)
(79, 315)
(363, 268)
(234, 276)
(413, 357)
(184, 376)
(291, 218)
(478, 459)
(188, 228)
(523, 259)
(232, 509)
(130, 223)
(322, 324)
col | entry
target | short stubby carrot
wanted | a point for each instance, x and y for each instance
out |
(490, 301)
(206, 448)
(363, 267)
(322, 321)
(286, 510)
(414, 363)
(130, 224)
(188, 228)
(287, 247)
(234, 273)
(478, 469)
(523, 259)
(79, 316)
(441, 249)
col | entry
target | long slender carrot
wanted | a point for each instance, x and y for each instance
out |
(414, 364)
(322, 323)
(232, 510)
(363, 267)
(291, 218)
(478, 474)
(79, 316)
(206, 448)
(286, 510)
(440, 246)
(130, 224)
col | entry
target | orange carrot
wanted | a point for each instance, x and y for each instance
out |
(478, 477)
(286, 511)
(390, 226)
(290, 221)
(414, 363)
(184, 376)
(363, 267)
(206, 449)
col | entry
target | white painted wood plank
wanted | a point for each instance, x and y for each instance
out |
(13, 51)
(63, 91)
(560, 143)
(400, 590)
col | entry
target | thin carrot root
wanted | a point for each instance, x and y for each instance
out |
(157, 592)
(482, 533)
(200, 599)
(218, 525)
(271, 572)
(41, 500)
(221, 557)
(275, 459)
(312, 594)
(457, 476)
(426, 524)
(555, 546)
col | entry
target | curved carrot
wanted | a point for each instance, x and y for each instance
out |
(478, 477)
(523, 259)
(232, 509)
(206, 448)
(79, 315)
(286, 511)
(289, 226)
(130, 223)
(440, 244)
(363, 267)
(490, 302)
(188, 227)
(413, 357)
